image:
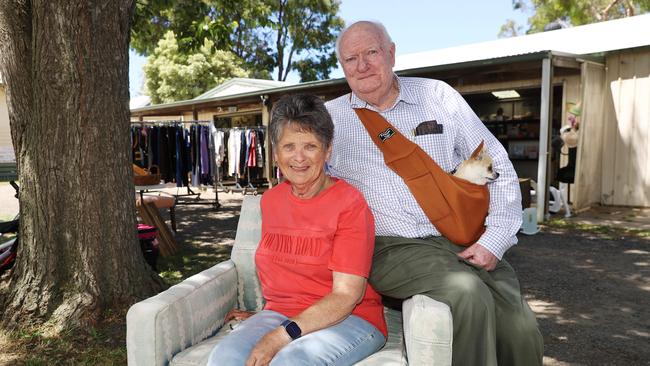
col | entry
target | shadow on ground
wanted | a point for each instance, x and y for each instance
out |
(205, 236)
(591, 294)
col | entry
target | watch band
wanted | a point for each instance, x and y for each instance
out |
(292, 329)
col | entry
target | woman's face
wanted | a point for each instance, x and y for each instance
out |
(301, 156)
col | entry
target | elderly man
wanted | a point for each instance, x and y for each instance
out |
(492, 322)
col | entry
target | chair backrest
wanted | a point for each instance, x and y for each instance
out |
(247, 238)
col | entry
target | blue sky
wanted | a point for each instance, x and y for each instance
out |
(414, 25)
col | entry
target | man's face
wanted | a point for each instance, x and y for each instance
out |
(367, 62)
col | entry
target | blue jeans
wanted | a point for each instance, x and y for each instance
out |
(345, 343)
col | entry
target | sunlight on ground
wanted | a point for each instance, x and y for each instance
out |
(550, 361)
(639, 333)
(547, 310)
(636, 251)
(6, 357)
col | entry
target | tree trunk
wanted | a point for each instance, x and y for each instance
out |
(66, 68)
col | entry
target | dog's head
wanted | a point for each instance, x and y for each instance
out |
(478, 168)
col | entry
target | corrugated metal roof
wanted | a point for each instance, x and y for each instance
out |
(583, 40)
(579, 41)
(241, 85)
(287, 88)
(139, 101)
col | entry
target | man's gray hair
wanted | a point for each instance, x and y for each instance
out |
(385, 37)
(306, 112)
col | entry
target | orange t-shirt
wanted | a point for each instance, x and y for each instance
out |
(304, 241)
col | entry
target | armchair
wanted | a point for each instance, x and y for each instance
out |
(181, 325)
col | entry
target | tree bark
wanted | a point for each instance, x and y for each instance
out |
(66, 68)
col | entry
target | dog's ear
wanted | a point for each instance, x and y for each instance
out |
(478, 151)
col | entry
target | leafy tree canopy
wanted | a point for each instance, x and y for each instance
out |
(551, 14)
(271, 35)
(172, 75)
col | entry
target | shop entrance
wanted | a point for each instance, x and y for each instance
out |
(513, 118)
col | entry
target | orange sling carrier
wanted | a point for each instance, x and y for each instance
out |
(456, 207)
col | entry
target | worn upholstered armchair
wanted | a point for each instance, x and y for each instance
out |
(181, 325)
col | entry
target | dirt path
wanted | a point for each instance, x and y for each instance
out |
(591, 294)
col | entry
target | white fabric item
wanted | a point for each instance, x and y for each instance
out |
(357, 159)
(218, 141)
(555, 204)
(231, 153)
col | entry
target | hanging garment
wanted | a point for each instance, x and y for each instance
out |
(217, 142)
(206, 173)
(260, 148)
(251, 161)
(233, 137)
(196, 155)
(167, 171)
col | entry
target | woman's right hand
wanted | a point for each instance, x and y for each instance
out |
(238, 315)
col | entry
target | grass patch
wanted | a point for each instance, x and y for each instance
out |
(191, 260)
(609, 232)
(101, 345)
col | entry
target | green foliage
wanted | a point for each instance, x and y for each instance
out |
(510, 29)
(575, 12)
(172, 75)
(285, 35)
(305, 29)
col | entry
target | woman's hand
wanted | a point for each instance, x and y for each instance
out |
(238, 315)
(268, 347)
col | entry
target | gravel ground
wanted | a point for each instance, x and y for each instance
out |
(591, 294)
(590, 291)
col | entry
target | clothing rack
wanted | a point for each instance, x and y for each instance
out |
(172, 121)
(249, 187)
(190, 192)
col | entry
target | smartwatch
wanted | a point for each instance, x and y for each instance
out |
(292, 329)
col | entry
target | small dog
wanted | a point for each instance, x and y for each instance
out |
(478, 168)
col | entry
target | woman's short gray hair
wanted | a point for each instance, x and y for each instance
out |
(305, 111)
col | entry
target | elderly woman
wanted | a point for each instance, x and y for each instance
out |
(313, 259)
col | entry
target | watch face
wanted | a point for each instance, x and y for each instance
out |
(292, 328)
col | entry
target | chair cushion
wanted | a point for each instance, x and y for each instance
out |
(392, 354)
(198, 354)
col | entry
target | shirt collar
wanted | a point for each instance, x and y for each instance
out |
(405, 95)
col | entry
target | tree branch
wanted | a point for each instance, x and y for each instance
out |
(603, 13)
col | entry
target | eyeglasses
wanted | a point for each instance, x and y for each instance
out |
(368, 56)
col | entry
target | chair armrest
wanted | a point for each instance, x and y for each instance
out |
(428, 331)
(159, 327)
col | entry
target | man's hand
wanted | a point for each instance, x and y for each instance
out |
(478, 255)
(268, 347)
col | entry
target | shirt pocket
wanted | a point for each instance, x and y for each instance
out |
(438, 148)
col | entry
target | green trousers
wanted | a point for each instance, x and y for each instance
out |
(493, 324)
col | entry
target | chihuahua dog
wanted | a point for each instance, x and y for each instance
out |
(478, 168)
